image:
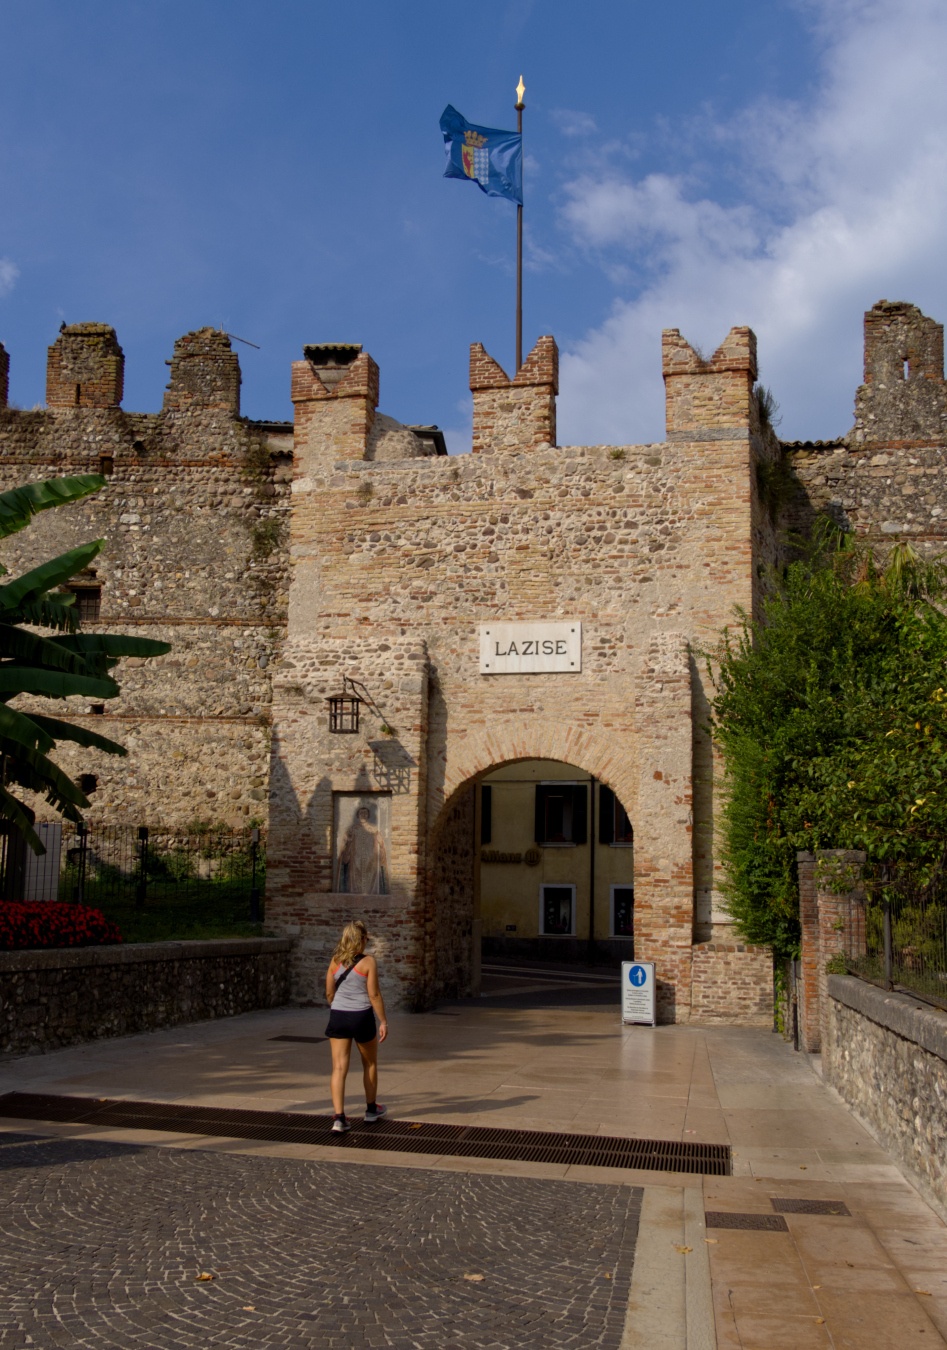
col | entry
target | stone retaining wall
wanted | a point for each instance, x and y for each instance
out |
(886, 1054)
(50, 999)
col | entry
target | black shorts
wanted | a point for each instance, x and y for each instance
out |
(352, 1026)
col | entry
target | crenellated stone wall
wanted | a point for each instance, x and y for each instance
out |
(194, 522)
(285, 561)
(884, 478)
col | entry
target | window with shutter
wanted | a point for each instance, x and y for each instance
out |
(561, 813)
(614, 827)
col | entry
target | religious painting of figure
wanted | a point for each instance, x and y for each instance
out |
(362, 843)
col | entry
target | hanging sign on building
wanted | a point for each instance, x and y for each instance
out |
(637, 992)
(530, 648)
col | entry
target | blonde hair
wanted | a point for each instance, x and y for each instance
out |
(352, 943)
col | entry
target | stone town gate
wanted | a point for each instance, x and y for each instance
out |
(398, 557)
(396, 567)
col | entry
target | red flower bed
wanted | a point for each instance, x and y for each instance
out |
(25, 925)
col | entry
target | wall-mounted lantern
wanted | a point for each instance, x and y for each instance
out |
(344, 709)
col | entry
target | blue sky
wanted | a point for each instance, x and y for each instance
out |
(277, 170)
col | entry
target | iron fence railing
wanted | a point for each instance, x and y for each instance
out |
(129, 867)
(896, 933)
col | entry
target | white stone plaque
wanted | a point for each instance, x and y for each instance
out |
(530, 648)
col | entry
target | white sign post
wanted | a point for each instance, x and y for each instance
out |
(530, 648)
(637, 992)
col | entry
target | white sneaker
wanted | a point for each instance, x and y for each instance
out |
(371, 1116)
(340, 1125)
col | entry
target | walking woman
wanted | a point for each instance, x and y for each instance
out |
(354, 998)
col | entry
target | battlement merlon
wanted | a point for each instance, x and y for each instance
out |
(712, 395)
(205, 374)
(904, 397)
(335, 398)
(517, 414)
(4, 376)
(85, 368)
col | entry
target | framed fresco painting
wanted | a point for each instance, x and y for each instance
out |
(362, 843)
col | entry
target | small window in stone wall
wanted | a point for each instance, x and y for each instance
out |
(88, 603)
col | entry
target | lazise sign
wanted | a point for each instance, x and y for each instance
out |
(530, 648)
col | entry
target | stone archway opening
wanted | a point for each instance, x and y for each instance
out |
(532, 867)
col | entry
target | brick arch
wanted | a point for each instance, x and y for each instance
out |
(607, 757)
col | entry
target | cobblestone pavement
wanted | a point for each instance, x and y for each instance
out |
(101, 1245)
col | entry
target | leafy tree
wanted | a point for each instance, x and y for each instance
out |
(67, 664)
(831, 716)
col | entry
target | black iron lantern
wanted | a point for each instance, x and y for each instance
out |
(344, 710)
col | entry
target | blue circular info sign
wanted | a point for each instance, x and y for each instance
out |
(638, 976)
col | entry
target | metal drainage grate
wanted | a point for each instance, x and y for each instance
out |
(811, 1207)
(397, 1136)
(768, 1223)
(307, 1040)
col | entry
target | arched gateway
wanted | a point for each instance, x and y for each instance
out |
(525, 602)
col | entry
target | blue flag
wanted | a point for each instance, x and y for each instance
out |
(492, 159)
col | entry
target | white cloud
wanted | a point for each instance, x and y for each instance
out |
(843, 202)
(572, 123)
(8, 275)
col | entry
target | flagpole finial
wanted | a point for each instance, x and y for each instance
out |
(520, 91)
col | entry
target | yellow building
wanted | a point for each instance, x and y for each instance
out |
(550, 838)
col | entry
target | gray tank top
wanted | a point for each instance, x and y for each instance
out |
(352, 995)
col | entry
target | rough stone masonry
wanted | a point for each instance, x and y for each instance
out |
(283, 560)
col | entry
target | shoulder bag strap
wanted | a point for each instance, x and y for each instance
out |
(347, 972)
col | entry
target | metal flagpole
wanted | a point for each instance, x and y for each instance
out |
(520, 105)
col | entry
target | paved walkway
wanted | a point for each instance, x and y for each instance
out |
(108, 1230)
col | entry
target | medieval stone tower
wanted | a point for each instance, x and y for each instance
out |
(400, 570)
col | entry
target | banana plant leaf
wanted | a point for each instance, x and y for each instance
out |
(16, 813)
(39, 774)
(58, 730)
(68, 664)
(34, 585)
(25, 730)
(57, 611)
(53, 683)
(111, 645)
(19, 505)
(20, 645)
